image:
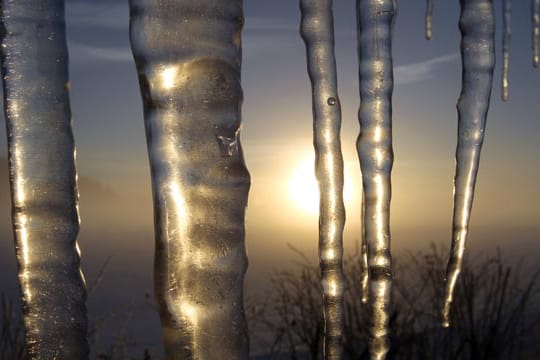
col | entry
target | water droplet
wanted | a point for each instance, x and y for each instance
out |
(331, 101)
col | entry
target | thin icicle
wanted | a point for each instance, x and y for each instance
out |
(429, 17)
(43, 178)
(477, 25)
(507, 9)
(535, 5)
(188, 56)
(317, 30)
(364, 267)
(375, 26)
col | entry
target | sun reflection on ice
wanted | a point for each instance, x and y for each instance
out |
(168, 77)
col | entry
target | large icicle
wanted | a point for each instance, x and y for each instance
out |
(477, 25)
(507, 34)
(429, 19)
(317, 30)
(188, 56)
(374, 146)
(535, 11)
(43, 177)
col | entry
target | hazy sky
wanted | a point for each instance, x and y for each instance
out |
(112, 162)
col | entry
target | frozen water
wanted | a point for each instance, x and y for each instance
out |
(364, 286)
(507, 10)
(477, 25)
(188, 56)
(535, 12)
(374, 146)
(429, 19)
(317, 30)
(43, 178)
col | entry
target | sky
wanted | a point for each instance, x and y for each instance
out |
(114, 179)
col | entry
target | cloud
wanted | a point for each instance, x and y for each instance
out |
(264, 36)
(261, 35)
(89, 53)
(417, 72)
(115, 16)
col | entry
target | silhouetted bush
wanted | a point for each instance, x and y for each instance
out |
(496, 313)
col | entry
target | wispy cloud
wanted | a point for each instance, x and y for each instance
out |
(416, 72)
(89, 53)
(263, 36)
(115, 16)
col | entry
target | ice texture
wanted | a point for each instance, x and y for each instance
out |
(317, 30)
(477, 25)
(188, 57)
(507, 34)
(43, 178)
(375, 27)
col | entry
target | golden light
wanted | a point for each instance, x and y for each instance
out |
(168, 77)
(304, 190)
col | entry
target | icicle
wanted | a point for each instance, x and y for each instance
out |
(535, 4)
(507, 8)
(188, 56)
(429, 16)
(317, 30)
(43, 178)
(364, 267)
(374, 145)
(477, 25)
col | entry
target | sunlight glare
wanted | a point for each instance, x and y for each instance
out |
(304, 190)
(168, 77)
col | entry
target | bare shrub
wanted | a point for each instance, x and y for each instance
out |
(496, 313)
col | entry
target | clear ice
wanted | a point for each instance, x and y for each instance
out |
(535, 11)
(364, 267)
(429, 17)
(43, 178)
(375, 27)
(507, 34)
(188, 57)
(477, 25)
(317, 30)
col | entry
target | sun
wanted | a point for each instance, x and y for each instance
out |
(303, 187)
(304, 190)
